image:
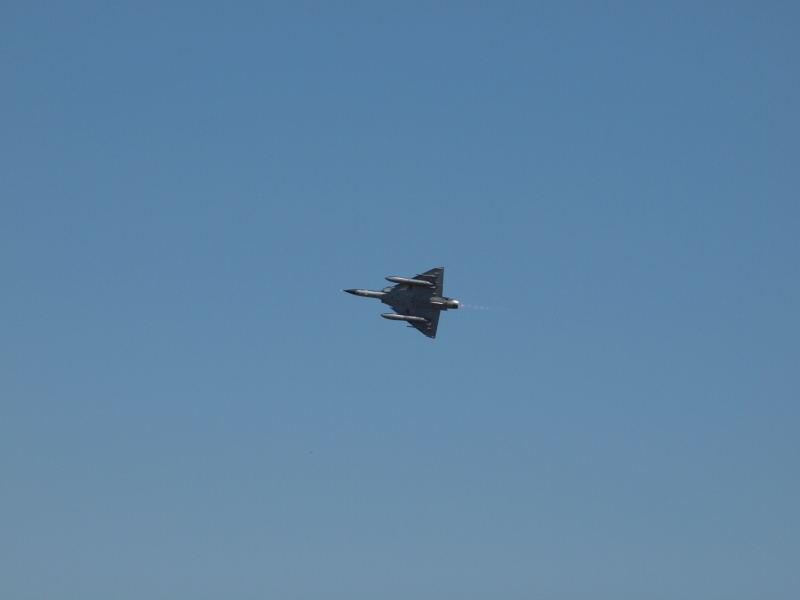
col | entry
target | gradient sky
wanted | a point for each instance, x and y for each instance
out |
(191, 408)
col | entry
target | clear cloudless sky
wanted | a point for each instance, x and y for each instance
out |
(191, 408)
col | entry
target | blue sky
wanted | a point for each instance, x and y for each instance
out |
(190, 407)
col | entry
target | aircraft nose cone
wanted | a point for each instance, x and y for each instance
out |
(350, 292)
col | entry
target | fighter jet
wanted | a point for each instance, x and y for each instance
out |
(418, 301)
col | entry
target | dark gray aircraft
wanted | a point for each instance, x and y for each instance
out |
(417, 301)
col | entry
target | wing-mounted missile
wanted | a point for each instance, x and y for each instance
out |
(408, 281)
(410, 319)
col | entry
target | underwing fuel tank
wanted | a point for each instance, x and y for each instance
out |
(410, 319)
(408, 281)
